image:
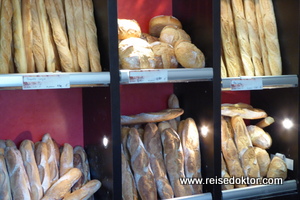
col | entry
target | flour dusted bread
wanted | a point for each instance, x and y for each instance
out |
(277, 168)
(263, 160)
(259, 137)
(164, 55)
(157, 23)
(188, 55)
(136, 53)
(5, 192)
(128, 28)
(171, 34)
(85, 192)
(250, 164)
(243, 110)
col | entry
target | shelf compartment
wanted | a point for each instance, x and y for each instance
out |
(87, 79)
(268, 82)
(171, 75)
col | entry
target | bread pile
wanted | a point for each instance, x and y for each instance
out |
(48, 36)
(44, 170)
(244, 147)
(165, 46)
(250, 45)
(156, 152)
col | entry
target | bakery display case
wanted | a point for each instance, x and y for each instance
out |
(89, 110)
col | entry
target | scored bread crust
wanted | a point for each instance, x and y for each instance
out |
(5, 192)
(157, 23)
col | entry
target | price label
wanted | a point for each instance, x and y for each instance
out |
(246, 84)
(148, 76)
(53, 81)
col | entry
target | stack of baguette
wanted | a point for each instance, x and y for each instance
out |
(165, 46)
(48, 36)
(244, 147)
(250, 45)
(44, 170)
(155, 155)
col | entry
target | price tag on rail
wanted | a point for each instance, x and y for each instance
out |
(148, 76)
(51, 81)
(247, 84)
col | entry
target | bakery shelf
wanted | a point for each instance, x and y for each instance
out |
(268, 82)
(168, 75)
(204, 196)
(264, 191)
(82, 79)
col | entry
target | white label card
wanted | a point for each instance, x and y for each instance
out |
(148, 76)
(246, 84)
(53, 81)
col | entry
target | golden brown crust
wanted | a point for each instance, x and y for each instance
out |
(259, 137)
(263, 160)
(85, 192)
(171, 34)
(66, 159)
(5, 192)
(164, 55)
(128, 28)
(277, 168)
(157, 23)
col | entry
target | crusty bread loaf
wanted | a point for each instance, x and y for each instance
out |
(174, 124)
(225, 174)
(61, 14)
(66, 159)
(140, 165)
(149, 38)
(136, 53)
(10, 143)
(27, 152)
(63, 185)
(19, 183)
(171, 34)
(164, 55)
(254, 39)
(41, 156)
(250, 163)
(85, 192)
(188, 55)
(157, 23)
(173, 101)
(265, 122)
(223, 68)
(242, 36)
(230, 153)
(174, 161)
(37, 40)
(56, 152)
(91, 36)
(124, 135)
(47, 37)
(152, 143)
(259, 137)
(230, 46)
(264, 51)
(5, 192)
(244, 112)
(191, 150)
(263, 160)
(27, 33)
(129, 190)
(128, 28)
(18, 39)
(277, 168)
(86, 175)
(271, 36)
(6, 13)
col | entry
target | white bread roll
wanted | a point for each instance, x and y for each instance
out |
(128, 28)
(5, 192)
(164, 55)
(157, 23)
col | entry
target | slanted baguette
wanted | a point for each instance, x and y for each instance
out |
(5, 192)
(66, 159)
(85, 192)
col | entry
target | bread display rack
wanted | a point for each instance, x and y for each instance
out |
(88, 110)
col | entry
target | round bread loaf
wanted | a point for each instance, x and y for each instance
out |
(157, 23)
(149, 38)
(188, 55)
(128, 28)
(164, 55)
(172, 34)
(136, 53)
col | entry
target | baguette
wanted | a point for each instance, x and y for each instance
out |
(27, 34)
(225, 174)
(66, 159)
(37, 40)
(85, 192)
(140, 165)
(59, 37)
(61, 14)
(245, 113)
(174, 161)
(80, 34)
(19, 183)
(231, 51)
(271, 36)
(265, 122)
(129, 191)
(27, 152)
(124, 135)
(173, 101)
(242, 36)
(10, 143)
(254, 37)
(263, 160)
(5, 192)
(91, 36)
(250, 163)
(85, 163)
(63, 185)
(163, 115)
(259, 137)
(70, 19)
(191, 150)
(6, 59)
(78, 163)
(41, 157)
(223, 68)
(230, 153)
(152, 143)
